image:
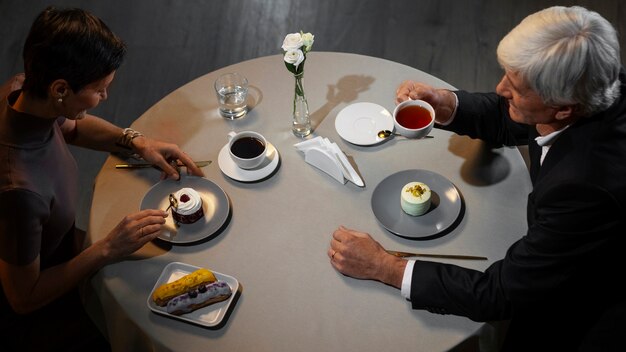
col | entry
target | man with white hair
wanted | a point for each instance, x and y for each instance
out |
(564, 94)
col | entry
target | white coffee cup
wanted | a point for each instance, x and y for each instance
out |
(414, 118)
(247, 148)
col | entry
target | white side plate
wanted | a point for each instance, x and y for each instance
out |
(209, 316)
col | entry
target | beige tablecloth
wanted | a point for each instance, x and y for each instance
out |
(276, 238)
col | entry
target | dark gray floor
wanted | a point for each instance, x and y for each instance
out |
(172, 42)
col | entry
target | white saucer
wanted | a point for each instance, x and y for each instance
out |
(212, 315)
(359, 123)
(228, 166)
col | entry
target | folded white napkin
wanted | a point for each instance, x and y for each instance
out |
(328, 157)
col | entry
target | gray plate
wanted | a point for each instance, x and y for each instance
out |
(215, 204)
(444, 210)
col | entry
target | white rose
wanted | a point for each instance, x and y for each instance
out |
(307, 41)
(294, 57)
(292, 41)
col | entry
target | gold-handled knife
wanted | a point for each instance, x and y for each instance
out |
(144, 165)
(427, 255)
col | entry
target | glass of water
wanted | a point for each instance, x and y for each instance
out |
(232, 90)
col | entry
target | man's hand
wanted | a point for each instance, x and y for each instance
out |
(358, 255)
(442, 100)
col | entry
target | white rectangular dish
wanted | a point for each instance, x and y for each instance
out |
(209, 316)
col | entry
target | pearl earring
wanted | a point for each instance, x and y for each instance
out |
(60, 100)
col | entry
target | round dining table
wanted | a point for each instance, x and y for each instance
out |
(273, 239)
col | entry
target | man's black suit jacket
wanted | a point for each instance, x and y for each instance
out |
(556, 282)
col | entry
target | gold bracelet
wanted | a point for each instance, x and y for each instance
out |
(128, 134)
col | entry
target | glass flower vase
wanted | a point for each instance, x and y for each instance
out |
(301, 124)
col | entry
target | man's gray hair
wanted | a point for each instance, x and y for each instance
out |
(568, 55)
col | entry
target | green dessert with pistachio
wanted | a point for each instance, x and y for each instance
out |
(415, 198)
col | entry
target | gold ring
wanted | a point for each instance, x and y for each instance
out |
(333, 256)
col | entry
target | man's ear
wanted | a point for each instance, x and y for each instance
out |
(59, 89)
(564, 112)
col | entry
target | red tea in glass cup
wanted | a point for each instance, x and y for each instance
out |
(414, 118)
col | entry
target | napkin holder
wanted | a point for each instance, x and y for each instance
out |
(317, 142)
(325, 162)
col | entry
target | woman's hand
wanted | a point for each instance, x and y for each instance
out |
(165, 156)
(442, 100)
(358, 255)
(28, 288)
(133, 232)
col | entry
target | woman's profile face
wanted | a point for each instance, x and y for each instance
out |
(77, 103)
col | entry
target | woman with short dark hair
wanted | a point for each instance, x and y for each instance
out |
(70, 59)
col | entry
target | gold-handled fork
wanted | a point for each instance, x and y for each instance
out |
(428, 255)
(202, 163)
(173, 203)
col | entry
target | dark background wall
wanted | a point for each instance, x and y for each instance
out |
(171, 42)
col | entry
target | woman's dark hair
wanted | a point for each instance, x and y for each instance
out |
(69, 44)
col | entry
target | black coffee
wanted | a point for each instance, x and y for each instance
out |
(247, 147)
